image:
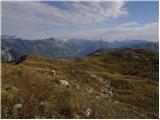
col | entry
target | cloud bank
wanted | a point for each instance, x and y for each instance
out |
(125, 31)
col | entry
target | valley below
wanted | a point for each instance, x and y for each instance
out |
(107, 84)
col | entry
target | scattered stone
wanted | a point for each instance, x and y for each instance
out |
(116, 102)
(107, 83)
(36, 117)
(12, 88)
(133, 107)
(88, 113)
(18, 106)
(103, 94)
(110, 93)
(89, 90)
(52, 72)
(76, 116)
(107, 93)
(97, 97)
(77, 87)
(18, 69)
(97, 77)
(136, 57)
(64, 83)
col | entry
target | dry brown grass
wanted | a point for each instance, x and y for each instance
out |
(42, 95)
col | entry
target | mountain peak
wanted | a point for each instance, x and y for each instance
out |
(8, 36)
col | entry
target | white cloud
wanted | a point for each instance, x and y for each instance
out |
(23, 17)
(34, 20)
(135, 31)
(148, 32)
(77, 12)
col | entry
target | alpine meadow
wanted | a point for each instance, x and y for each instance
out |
(79, 59)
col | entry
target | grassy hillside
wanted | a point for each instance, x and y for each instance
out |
(113, 84)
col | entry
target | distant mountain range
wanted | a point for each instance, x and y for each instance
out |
(13, 48)
(153, 46)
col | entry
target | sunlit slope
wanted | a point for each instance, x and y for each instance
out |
(106, 84)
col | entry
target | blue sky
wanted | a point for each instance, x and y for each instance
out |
(89, 20)
(142, 12)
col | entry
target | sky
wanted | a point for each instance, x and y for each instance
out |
(94, 20)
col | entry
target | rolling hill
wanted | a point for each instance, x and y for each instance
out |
(118, 83)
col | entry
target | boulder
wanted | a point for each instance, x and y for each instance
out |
(51, 72)
(64, 83)
(97, 77)
(18, 106)
(116, 102)
(10, 88)
(88, 113)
